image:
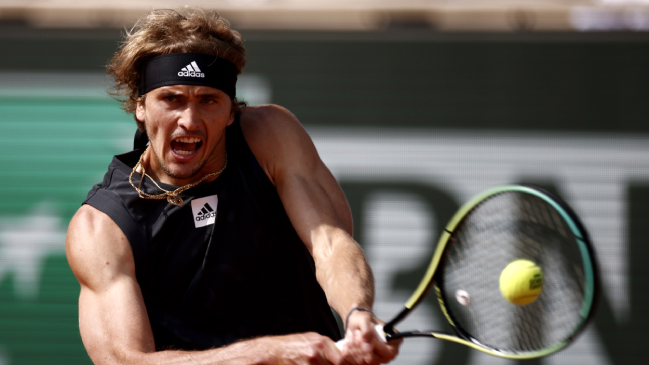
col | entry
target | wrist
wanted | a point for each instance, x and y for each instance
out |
(352, 311)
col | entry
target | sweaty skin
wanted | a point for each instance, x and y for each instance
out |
(186, 127)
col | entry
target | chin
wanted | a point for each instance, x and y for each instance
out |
(181, 172)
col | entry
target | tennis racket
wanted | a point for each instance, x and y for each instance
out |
(490, 231)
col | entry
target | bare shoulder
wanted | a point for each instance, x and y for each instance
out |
(96, 247)
(268, 121)
(277, 139)
(267, 111)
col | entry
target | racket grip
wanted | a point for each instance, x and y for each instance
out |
(379, 333)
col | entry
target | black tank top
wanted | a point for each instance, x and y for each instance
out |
(246, 275)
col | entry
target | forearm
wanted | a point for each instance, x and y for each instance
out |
(343, 272)
(298, 348)
(252, 352)
(111, 342)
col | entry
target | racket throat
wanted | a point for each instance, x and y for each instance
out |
(389, 327)
(389, 331)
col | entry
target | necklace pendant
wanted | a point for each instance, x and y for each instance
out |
(175, 200)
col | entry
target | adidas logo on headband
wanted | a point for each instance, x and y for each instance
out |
(182, 69)
(191, 70)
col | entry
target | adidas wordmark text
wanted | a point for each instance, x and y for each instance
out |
(191, 70)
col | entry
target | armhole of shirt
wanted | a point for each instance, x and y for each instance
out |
(110, 204)
(244, 153)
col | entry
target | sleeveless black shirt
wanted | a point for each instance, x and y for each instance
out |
(246, 275)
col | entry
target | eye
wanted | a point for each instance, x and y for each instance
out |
(171, 98)
(209, 101)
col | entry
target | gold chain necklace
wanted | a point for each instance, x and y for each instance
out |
(171, 196)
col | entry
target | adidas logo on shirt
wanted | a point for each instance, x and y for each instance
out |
(204, 210)
(191, 70)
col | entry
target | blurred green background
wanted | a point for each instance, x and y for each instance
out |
(412, 122)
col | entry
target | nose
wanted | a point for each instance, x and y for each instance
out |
(189, 117)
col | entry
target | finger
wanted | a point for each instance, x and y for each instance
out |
(376, 344)
(365, 347)
(317, 353)
(353, 347)
(347, 356)
(334, 355)
(388, 351)
(343, 346)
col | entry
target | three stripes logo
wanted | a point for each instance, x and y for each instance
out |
(204, 210)
(191, 70)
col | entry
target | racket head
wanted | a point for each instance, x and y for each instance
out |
(490, 231)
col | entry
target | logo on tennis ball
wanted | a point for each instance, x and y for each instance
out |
(521, 282)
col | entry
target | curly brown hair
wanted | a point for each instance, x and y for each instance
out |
(187, 30)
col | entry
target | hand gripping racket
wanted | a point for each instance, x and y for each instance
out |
(493, 229)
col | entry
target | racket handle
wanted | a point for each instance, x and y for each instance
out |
(379, 333)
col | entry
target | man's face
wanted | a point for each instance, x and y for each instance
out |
(186, 127)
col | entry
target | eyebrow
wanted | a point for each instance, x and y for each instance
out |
(209, 95)
(170, 93)
(203, 95)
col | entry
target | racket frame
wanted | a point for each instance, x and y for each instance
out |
(461, 337)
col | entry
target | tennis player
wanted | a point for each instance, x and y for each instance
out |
(221, 238)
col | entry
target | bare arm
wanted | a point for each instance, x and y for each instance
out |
(112, 316)
(319, 211)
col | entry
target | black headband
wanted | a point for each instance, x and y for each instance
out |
(188, 69)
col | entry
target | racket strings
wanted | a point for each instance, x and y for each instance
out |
(504, 228)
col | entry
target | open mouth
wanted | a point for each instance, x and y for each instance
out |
(185, 146)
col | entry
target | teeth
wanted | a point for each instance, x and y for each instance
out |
(180, 152)
(187, 140)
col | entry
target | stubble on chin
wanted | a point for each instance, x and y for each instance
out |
(181, 176)
(178, 175)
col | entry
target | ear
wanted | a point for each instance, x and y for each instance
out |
(231, 118)
(139, 111)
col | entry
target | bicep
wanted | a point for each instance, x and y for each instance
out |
(112, 317)
(314, 201)
(309, 192)
(312, 197)
(113, 322)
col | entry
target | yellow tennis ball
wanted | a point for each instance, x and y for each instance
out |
(521, 282)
